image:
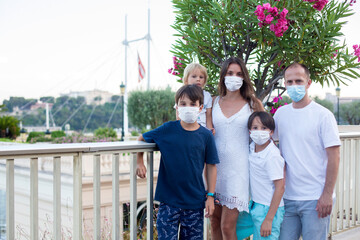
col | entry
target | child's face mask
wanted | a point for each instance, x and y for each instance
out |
(233, 83)
(260, 137)
(189, 114)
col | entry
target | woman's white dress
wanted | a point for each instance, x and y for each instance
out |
(232, 142)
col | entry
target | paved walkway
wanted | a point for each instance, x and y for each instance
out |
(352, 234)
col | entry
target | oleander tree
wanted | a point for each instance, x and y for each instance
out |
(267, 35)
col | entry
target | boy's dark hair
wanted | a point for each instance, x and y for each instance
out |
(192, 91)
(266, 119)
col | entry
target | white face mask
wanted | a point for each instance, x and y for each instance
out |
(260, 137)
(189, 114)
(233, 83)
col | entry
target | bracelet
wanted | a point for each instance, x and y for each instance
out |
(210, 194)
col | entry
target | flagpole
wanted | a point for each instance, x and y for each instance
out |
(126, 43)
(148, 40)
(126, 121)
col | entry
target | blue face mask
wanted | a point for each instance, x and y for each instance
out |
(296, 92)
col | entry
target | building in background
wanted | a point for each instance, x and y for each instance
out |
(95, 96)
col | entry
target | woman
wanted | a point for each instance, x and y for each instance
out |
(231, 110)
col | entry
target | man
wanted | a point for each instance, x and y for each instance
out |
(309, 142)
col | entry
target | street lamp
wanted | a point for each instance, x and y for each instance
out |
(122, 93)
(337, 90)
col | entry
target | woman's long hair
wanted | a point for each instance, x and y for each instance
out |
(246, 90)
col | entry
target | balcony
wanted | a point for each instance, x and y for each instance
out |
(63, 191)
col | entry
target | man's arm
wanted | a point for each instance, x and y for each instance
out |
(211, 181)
(324, 205)
(140, 167)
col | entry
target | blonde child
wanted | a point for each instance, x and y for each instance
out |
(196, 73)
(267, 183)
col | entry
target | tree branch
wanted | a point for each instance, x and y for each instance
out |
(267, 89)
(212, 60)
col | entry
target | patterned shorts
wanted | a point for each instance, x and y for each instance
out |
(170, 218)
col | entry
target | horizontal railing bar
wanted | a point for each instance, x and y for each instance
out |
(349, 135)
(30, 149)
(72, 154)
(15, 156)
(122, 151)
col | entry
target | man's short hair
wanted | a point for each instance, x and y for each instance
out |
(296, 64)
(193, 92)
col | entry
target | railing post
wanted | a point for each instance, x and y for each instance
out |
(115, 197)
(10, 207)
(34, 205)
(121, 209)
(347, 181)
(57, 197)
(352, 181)
(340, 196)
(150, 196)
(133, 201)
(77, 193)
(96, 196)
(357, 183)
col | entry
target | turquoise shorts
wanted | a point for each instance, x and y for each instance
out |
(258, 213)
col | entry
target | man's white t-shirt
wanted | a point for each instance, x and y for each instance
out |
(304, 134)
(265, 167)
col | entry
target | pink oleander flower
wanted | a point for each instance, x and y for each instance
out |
(273, 110)
(317, 4)
(268, 15)
(357, 51)
(351, 3)
(268, 19)
(178, 65)
(276, 104)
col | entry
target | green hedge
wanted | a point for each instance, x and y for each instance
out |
(35, 135)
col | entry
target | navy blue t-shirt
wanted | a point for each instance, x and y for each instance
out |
(183, 155)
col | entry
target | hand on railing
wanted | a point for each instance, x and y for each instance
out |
(140, 167)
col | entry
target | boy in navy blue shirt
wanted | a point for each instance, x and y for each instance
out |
(185, 147)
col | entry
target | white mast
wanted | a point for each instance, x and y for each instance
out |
(126, 43)
(126, 119)
(148, 40)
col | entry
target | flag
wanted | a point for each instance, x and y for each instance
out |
(141, 69)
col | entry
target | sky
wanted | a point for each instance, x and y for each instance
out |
(50, 47)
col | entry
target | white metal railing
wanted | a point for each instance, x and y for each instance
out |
(77, 151)
(346, 212)
(345, 215)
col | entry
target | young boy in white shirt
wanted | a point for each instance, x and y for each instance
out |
(267, 183)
